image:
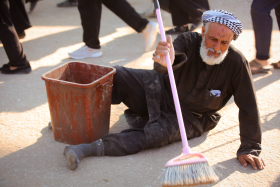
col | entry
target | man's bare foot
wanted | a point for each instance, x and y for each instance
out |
(260, 66)
(13, 68)
(263, 63)
(276, 65)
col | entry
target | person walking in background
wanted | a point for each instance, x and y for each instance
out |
(18, 62)
(262, 25)
(90, 12)
(185, 14)
(19, 17)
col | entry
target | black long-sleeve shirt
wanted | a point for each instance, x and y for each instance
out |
(195, 79)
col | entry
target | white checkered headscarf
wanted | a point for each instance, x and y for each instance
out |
(225, 18)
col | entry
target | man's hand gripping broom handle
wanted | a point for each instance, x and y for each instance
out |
(186, 148)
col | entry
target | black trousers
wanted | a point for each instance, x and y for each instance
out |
(128, 88)
(187, 11)
(90, 12)
(19, 16)
(9, 38)
(262, 24)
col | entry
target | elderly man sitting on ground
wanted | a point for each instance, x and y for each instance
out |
(208, 71)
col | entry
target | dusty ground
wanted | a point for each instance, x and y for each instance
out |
(29, 155)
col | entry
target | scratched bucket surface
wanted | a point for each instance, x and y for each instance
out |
(79, 96)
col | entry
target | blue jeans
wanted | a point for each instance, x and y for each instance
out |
(262, 25)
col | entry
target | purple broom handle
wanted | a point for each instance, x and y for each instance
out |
(186, 149)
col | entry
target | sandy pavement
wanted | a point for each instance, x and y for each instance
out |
(29, 155)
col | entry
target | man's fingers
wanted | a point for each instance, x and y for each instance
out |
(259, 162)
(169, 39)
(162, 43)
(242, 161)
(263, 162)
(251, 160)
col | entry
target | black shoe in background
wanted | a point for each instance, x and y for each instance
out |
(5, 69)
(68, 3)
(185, 28)
(178, 30)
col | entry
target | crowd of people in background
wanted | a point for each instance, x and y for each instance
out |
(186, 16)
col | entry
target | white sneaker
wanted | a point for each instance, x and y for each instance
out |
(150, 35)
(85, 52)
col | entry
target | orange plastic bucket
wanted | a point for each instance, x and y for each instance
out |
(79, 96)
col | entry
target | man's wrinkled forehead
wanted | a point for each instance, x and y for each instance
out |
(220, 31)
(224, 18)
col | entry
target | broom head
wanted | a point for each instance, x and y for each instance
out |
(188, 170)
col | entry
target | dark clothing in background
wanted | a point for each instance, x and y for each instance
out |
(262, 24)
(90, 12)
(9, 38)
(148, 93)
(19, 15)
(187, 11)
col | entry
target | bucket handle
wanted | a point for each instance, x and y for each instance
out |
(101, 86)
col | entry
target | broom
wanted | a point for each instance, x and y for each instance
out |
(188, 169)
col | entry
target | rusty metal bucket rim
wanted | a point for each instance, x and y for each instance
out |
(76, 84)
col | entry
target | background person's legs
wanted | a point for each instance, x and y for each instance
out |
(262, 25)
(17, 58)
(127, 13)
(90, 12)
(19, 17)
(187, 11)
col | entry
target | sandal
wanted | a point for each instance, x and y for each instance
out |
(275, 65)
(260, 69)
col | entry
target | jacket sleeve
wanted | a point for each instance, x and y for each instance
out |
(249, 119)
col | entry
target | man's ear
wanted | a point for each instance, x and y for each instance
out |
(203, 31)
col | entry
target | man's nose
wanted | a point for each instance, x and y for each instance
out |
(217, 47)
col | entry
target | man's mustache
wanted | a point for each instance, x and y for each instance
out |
(213, 51)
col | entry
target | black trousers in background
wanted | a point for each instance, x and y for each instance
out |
(90, 12)
(19, 15)
(187, 11)
(129, 89)
(9, 38)
(262, 24)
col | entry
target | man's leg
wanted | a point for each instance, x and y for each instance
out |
(19, 17)
(277, 13)
(127, 13)
(276, 65)
(18, 61)
(127, 88)
(90, 12)
(262, 24)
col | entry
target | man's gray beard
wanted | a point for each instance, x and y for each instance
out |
(211, 60)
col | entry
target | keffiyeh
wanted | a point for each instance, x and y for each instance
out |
(225, 18)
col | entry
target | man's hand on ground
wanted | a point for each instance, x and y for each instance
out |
(162, 49)
(254, 160)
